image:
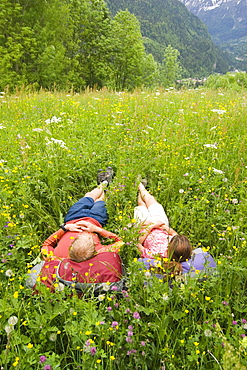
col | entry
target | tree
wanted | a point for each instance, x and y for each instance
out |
(171, 69)
(127, 54)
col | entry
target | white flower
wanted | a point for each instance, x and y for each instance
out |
(224, 179)
(244, 326)
(147, 274)
(165, 297)
(207, 333)
(219, 172)
(181, 191)
(54, 119)
(1, 127)
(157, 93)
(12, 320)
(214, 146)
(61, 143)
(37, 129)
(8, 329)
(9, 273)
(101, 297)
(219, 111)
(212, 128)
(234, 201)
(106, 287)
(53, 337)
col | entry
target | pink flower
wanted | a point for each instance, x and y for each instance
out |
(114, 324)
(136, 315)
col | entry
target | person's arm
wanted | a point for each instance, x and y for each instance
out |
(115, 247)
(50, 243)
(147, 228)
(169, 230)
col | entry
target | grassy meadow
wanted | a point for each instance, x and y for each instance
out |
(191, 145)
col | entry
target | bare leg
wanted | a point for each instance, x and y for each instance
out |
(147, 198)
(97, 193)
(140, 201)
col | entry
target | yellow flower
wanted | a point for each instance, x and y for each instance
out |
(98, 361)
(30, 345)
(74, 313)
(112, 357)
(16, 294)
(181, 341)
(196, 343)
(186, 311)
(88, 332)
(207, 298)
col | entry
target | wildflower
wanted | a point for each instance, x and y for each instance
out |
(54, 119)
(114, 324)
(109, 308)
(93, 350)
(101, 297)
(16, 294)
(8, 273)
(114, 287)
(106, 287)
(129, 340)
(143, 343)
(12, 320)
(53, 337)
(219, 172)
(219, 111)
(112, 358)
(244, 342)
(30, 345)
(130, 333)
(207, 333)
(42, 359)
(225, 303)
(234, 322)
(213, 146)
(234, 201)
(8, 329)
(181, 191)
(127, 310)
(244, 321)
(207, 298)
(225, 179)
(130, 327)
(136, 315)
(196, 343)
(47, 367)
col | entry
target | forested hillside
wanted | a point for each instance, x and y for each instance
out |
(75, 44)
(166, 22)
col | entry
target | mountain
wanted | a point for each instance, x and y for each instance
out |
(226, 21)
(165, 22)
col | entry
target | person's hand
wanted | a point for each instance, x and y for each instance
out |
(73, 227)
(87, 226)
(154, 225)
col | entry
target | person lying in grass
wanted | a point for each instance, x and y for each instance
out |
(163, 251)
(156, 237)
(79, 237)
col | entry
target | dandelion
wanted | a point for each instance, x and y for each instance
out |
(8, 329)
(12, 320)
(9, 273)
(225, 179)
(181, 191)
(207, 333)
(53, 337)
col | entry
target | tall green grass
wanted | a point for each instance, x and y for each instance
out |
(192, 148)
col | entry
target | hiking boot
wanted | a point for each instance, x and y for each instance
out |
(101, 176)
(109, 174)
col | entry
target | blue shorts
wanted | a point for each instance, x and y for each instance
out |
(87, 207)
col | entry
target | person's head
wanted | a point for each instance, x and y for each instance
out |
(82, 248)
(179, 248)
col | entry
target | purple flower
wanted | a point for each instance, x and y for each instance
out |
(102, 322)
(109, 309)
(127, 310)
(130, 333)
(128, 340)
(143, 353)
(243, 335)
(234, 322)
(225, 303)
(244, 321)
(116, 305)
(143, 343)
(114, 287)
(136, 315)
(47, 367)
(114, 324)
(42, 359)
(130, 327)
(93, 350)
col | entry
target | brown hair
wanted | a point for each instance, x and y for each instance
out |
(179, 248)
(82, 248)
